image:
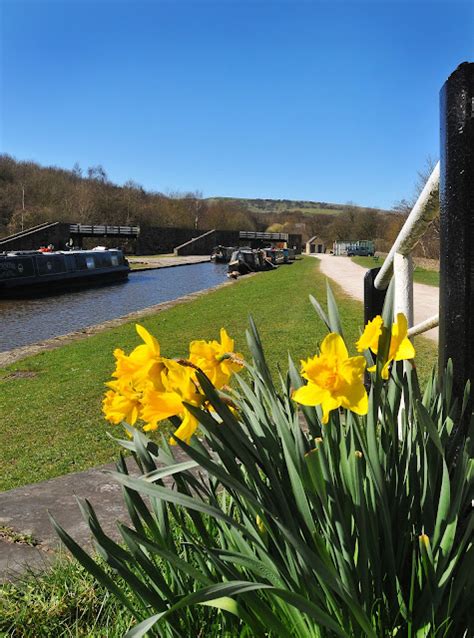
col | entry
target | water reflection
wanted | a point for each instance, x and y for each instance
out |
(25, 321)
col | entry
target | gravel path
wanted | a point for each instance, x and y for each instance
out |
(350, 277)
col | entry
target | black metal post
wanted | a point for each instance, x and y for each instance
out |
(456, 303)
(373, 298)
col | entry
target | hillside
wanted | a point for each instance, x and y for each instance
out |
(286, 206)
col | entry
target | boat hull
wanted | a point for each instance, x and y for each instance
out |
(32, 275)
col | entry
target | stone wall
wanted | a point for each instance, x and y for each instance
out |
(57, 235)
(155, 240)
(152, 240)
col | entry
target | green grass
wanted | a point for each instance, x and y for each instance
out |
(420, 275)
(63, 601)
(53, 423)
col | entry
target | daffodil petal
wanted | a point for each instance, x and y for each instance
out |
(309, 394)
(328, 404)
(187, 428)
(369, 339)
(333, 346)
(405, 350)
(355, 398)
(149, 339)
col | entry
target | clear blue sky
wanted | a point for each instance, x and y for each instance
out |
(331, 101)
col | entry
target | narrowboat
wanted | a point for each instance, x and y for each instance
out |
(275, 255)
(222, 254)
(31, 273)
(246, 260)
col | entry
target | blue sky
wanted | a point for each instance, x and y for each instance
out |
(332, 101)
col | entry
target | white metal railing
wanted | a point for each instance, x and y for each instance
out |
(399, 260)
(251, 234)
(100, 229)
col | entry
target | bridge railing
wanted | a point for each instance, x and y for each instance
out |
(399, 261)
(453, 178)
(103, 230)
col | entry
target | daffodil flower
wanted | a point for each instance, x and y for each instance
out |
(216, 359)
(401, 348)
(143, 364)
(369, 340)
(121, 403)
(179, 388)
(152, 388)
(334, 379)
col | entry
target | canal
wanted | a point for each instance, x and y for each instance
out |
(26, 321)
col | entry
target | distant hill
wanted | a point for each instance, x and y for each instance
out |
(283, 206)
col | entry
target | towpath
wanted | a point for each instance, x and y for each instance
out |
(350, 277)
(144, 262)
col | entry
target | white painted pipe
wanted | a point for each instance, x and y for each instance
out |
(403, 269)
(424, 326)
(422, 214)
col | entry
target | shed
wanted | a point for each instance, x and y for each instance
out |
(315, 245)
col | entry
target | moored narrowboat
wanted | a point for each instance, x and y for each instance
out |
(247, 260)
(222, 254)
(31, 273)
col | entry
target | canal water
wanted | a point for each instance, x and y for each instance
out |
(26, 321)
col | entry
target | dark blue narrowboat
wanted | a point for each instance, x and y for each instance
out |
(31, 273)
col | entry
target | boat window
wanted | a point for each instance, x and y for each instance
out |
(16, 267)
(50, 264)
(80, 262)
(90, 262)
(70, 262)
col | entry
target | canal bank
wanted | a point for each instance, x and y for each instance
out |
(152, 262)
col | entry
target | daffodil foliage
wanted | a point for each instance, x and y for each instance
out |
(305, 507)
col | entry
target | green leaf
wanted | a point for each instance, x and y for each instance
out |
(162, 473)
(319, 309)
(142, 628)
(90, 565)
(333, 312)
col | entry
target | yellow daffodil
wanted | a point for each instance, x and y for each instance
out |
(143, 364)
(179, 386)
(216, 359)
(401, 347)
(334, 379)
(121, 403)
(369, 340)
(152, 388)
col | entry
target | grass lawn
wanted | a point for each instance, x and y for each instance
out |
(65, 600)
(51, 402)
(420, 275)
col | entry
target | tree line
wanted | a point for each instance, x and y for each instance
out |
(31, 194)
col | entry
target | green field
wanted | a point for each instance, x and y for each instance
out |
(420, 275)
(51, 402)
(278, 206)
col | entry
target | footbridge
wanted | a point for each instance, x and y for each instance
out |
(101, 230)
(62, 234)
